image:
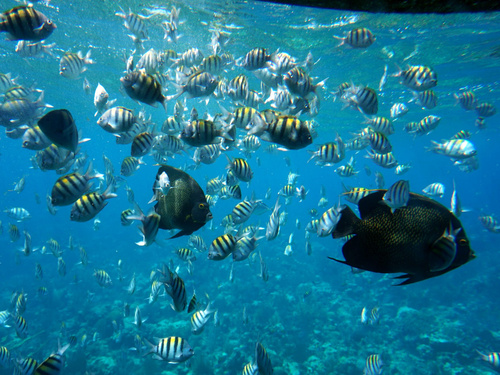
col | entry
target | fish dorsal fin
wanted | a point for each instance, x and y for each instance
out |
(370, 202)
(346, 224)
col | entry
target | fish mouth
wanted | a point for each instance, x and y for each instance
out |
(209, 217)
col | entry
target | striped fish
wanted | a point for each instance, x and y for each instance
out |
(242, 211)
(492, 359)
(466, 99)
(357, 38)
(21, 326)
(241, 169)
(142, 144)
(485, 110)
(26, 23)
(25, 366)
(373, 365)
(4, 357)
(237, 89)
(200, 318)
(69, 188)
(103, 278)
(149, 225)
(222, 247)
(354, 195)
(54, 364)
(273, 225)
(262, 360)
(144, 88)
(175, 288)
(185, 254)
(384, 160)
(418, 77)
(172, 349)
(435, 189)
(72, 64)
(35, 139)
(117, 120)
(397, 195)
(250, 369)
(89, 205)
(328, 221)
(255, 59)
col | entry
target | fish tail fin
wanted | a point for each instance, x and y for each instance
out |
(346, 224)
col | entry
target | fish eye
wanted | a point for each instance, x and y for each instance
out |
(201, 206)
(463, 241)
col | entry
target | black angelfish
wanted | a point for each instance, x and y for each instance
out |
(184, 207)
(422, 240)
(58, 125)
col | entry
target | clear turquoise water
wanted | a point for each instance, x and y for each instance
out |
(431, 327)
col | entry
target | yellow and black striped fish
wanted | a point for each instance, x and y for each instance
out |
(129, 165)
(418, 77)
(69, 188)
(143, 88)
(200, 133)
(237, 88)
(124, 217)
(89, 205)
(222, 247)
(288, 131)
(185, 254)
(103, 278)
(142, 144)
(26, 23)
(172, 349)
(357, 38)
(54, 364)
(255, 59)
(73, 64)
(241, 169)
(242, 211)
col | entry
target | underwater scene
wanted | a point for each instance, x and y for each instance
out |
(240, 187)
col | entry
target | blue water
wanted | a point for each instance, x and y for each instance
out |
(308, 314)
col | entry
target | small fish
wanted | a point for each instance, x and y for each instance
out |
(373, 365)
(222, 247)
(26, 23)
(273, 225)
(171, 349)
(357, 38)
(435, 189)
(398, 195)
(402, 168)
(328, 221)
(418, 77)
(485, 110)
(72, 64)
(18, 213)
(492, 359)
(86, 86)
(175, 288)
(197, 242)
(54, 364)
(101, 99)
(89, 205)
(264, 272)
(149, 225)
(103, 278)
(144, 88)
(21, 326)
(262, 360)
(138, 318)
(455, 148)
(200, 318)
(399, 110)
(129, 165)
(117, 120)
(69, 188)
(466, 99)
